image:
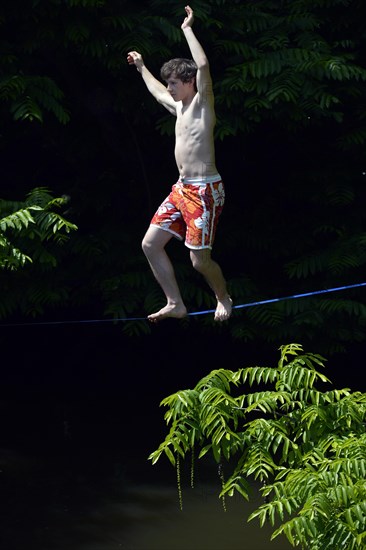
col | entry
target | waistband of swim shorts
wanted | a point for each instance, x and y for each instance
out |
(200, 180)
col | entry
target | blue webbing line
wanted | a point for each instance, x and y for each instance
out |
(194, 313)
(270, 301)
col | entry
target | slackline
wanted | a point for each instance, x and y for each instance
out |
(193, 313)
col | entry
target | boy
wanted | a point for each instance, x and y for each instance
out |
(192, 209)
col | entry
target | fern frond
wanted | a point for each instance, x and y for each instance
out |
(12, 86)
(18, 220)
(26, 109)
(169, 30)
(29, 94)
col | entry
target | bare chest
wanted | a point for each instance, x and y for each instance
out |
(190, 124)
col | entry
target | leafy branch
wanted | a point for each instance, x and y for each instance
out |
(306, 447)
(37, 221)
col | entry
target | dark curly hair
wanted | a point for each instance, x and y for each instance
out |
(184, 69)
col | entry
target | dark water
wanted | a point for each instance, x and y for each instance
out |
(94, 502)
(85, 483)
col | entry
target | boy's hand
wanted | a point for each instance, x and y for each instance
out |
(188, 21)
(134, 58)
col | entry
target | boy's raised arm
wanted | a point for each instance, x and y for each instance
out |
(155, 87)
(199, 57)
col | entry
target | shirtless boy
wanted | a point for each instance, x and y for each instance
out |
(192, 209)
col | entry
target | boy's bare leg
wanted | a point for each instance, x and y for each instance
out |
(202, 262)
(153, 246)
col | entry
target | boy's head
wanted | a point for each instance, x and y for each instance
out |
(184, 69)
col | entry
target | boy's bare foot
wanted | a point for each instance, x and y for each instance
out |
(223, 309)
(174, 310)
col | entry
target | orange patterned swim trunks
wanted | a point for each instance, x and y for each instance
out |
(191, 210)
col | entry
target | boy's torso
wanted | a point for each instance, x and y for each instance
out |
(194, 146)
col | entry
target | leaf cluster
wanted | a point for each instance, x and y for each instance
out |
(305, 446)
(294, 62)
(285, 64)
(34, 221)
(31, 233)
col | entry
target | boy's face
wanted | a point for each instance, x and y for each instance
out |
(179, 90)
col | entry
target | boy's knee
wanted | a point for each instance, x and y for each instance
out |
(200, 262)
(146, 245)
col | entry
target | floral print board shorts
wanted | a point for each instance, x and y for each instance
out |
(191, 210)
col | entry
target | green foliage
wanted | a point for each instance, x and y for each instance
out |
(33, 223)
(29, 96)
(284, 64)
(282, 61)
(306, 447)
